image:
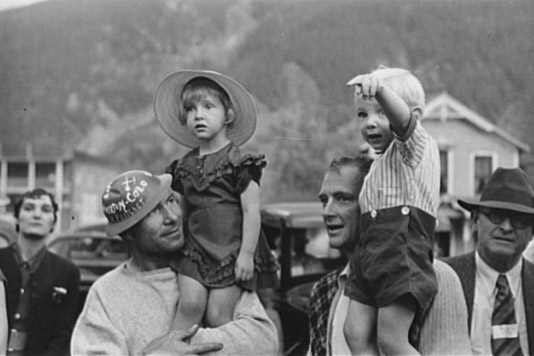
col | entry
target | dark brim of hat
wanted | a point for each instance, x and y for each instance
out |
(471, 204)
(167, 104)
(152, 201)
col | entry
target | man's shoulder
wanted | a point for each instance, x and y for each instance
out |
(60, 260)
(4, 251)
(529, 268)
(111, 278)
(460, 260)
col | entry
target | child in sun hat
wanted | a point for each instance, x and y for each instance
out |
(225, 250)
(393, 282)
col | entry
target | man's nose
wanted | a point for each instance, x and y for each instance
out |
(172, 213)
(328, 208)
(506, 224)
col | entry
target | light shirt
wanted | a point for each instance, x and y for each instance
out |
(407, 173)
(337, 345)
(484, 300)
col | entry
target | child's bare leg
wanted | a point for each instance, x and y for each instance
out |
(221, 303)
(360, 329)
(394, 321)
(192, 303)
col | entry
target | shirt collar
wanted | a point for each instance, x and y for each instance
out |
(343, 276)
(489, 275)
(33, 262)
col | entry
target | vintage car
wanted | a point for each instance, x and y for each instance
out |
(297, 235)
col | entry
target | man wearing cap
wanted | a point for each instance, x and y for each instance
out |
(129, 310)
(498, 283)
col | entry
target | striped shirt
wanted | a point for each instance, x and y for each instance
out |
(407, 173)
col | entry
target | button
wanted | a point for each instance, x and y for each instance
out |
(17, 316)
(405, 210)
(22, 291)
(373, 214)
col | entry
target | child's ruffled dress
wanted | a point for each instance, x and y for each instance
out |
(212, 185)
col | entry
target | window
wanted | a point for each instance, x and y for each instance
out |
(444, 162)
(483, 170)
(45, 175)
(17, 174)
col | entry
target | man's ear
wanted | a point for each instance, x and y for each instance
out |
(417, 112)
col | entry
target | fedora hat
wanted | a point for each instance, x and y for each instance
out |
(167, 107)
(508, 189)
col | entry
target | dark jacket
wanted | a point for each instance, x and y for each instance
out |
(464, 265)
(52, 314)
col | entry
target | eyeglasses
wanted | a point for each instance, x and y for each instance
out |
(517, 220)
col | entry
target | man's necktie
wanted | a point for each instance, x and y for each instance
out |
(504, 328)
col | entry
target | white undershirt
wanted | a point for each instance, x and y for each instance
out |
(484, 299)
(336, 318)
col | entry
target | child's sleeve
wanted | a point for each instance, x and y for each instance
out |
(414, 143)
(174, 169)
(249, 168)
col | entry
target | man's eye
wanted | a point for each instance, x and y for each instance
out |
(362, 115)
(344, 199)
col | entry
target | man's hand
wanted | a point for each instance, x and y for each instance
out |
(175, 343)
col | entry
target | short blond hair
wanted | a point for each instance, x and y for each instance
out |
(404, 84)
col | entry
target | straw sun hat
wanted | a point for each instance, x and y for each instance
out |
(167, 107)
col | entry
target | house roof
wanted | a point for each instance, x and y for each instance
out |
(445, 107)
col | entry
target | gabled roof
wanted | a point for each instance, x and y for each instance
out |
(445, 107)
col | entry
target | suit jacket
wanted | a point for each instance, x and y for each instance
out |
(465, 267)
(321, 298)
(52, 314)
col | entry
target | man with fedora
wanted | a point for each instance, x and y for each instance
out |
(130, 310)
(498, 283)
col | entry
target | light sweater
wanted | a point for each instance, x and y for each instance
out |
(445, 331)
(126, 309)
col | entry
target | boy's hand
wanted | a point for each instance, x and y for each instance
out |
(244, 267)
(368, 85)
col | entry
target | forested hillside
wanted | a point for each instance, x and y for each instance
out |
(81, 73)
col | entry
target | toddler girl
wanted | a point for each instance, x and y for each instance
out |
(225, 250)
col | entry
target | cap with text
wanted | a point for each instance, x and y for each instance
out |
(129, 197)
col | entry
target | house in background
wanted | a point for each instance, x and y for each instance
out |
(77, 181)
(471, 148)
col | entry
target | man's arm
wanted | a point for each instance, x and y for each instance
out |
(94, 333)
(250, 333)
(445, 331)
